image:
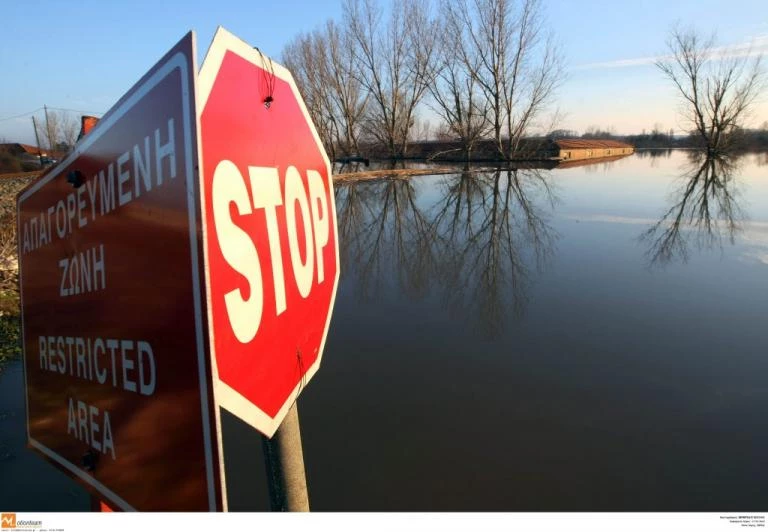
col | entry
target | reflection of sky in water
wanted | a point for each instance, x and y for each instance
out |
(633, 196)
(522, 352)
(472, 242)
(429, 236)
(755, 239)
(630, 188)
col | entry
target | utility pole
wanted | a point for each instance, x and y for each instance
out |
(48, 129)
(37, 139)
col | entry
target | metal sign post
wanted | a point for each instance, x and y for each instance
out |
(284, 460)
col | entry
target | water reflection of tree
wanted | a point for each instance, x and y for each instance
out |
(476, 247)
(493, 233)
(382, 220)
(705, 211)
(654, 153)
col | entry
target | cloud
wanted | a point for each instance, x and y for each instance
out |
(619, 63)
(752, 48)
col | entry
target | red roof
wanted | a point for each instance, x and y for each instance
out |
(34, 150)
(586, 144)
(17, 147)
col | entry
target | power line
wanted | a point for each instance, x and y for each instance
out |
(77, 111)
(21, 115)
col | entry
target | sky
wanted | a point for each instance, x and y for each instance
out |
(83, 55)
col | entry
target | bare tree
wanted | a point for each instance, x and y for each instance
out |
(394, 53)
(58, 128)
(322, 63)
(518, 66)
(535, 74)
(305, 56)
(70, 128)
(717, 88)
(349, 98)
(456, 93)
(706, 211)
(421, 131)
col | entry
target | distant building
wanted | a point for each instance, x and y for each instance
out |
(580, 149)
(32, 155)
(20, 150)
(528, 149)
(25, 153)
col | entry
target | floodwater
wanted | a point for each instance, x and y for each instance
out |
(586, 338)
(27, 482)
(591, 338)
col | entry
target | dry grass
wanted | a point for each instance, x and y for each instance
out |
(9, 268)
(10, 346)
(21, 175)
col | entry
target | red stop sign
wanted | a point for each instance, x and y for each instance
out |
(270, 232)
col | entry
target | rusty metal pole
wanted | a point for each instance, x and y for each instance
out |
(37, 139)
(284, 461)
(97, 505)
(48, 132)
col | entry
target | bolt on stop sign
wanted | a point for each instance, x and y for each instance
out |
(269, 229)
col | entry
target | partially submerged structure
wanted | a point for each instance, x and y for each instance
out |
(580, 149)
(574, 163)
(530, 149)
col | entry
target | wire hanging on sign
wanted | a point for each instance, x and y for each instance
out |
(302, 371)
(269, 78)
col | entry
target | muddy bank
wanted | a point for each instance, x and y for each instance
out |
(398, 173)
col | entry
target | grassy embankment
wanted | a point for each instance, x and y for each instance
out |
(9, 295)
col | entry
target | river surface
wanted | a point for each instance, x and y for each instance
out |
(586, 338)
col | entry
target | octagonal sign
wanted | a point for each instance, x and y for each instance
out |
(272, 259)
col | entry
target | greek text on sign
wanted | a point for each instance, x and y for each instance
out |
(114, 323)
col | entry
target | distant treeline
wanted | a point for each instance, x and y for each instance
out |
(454, 150)
(533, 148)
(745, 139)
